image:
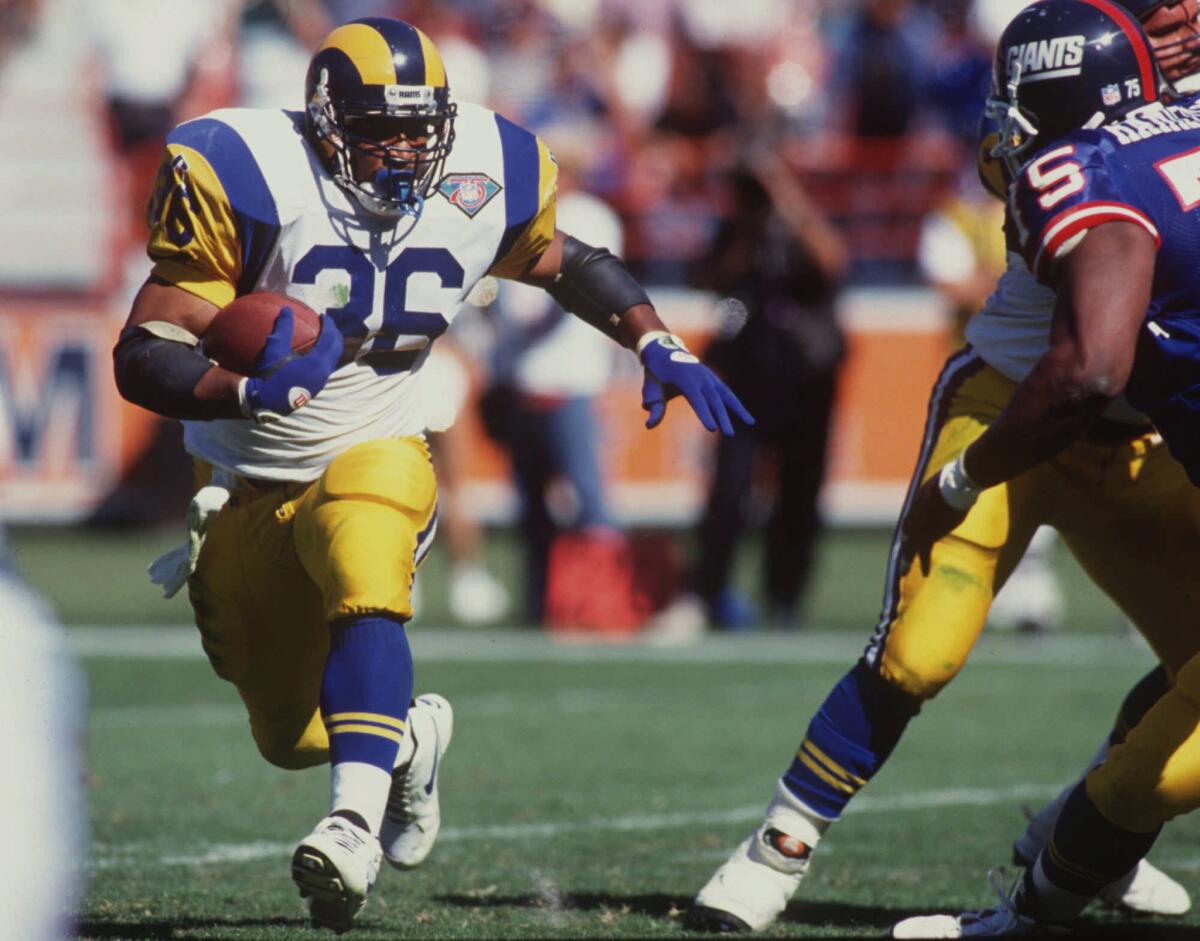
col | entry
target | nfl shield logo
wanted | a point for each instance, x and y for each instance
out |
(1110, 95)
(470, 192)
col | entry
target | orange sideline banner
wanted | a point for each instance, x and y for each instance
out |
(66, 436)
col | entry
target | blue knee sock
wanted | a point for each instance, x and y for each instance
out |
(848, 740)
(1085, 853)
(1145, 693)
(366, 689)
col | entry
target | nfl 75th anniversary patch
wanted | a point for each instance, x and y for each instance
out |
(470, 192)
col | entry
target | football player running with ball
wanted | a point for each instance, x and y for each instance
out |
(380, 207)
(1121, 502)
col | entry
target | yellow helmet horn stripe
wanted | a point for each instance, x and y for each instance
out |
(435, 69)
(369, 52)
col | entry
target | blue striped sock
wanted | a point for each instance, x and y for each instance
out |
(1086, 851)
(848, 740)
(366, 689)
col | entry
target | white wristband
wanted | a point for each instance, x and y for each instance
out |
(958, 489)
(243, 405)
(647, 338)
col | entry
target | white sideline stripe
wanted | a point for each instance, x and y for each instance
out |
(108, 856)
(454, 645)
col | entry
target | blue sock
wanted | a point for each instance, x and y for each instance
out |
(366, 689)
(848, 740)
(1145, 693)
(1086, 851)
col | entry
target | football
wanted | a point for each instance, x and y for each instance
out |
(238, 332)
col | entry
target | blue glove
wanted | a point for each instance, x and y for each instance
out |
(284, 380)
(671, 370)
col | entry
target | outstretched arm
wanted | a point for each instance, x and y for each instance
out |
(595, 286)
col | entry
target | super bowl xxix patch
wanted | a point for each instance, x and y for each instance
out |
(470, 192)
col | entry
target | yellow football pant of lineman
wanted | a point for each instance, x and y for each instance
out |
(283, 559)
(1128, 514)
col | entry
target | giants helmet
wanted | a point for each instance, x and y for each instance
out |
(388, 76)
(1066, 64)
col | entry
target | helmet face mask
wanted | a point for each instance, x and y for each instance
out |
(380, 114)
(1173, 32)
(1067, 64)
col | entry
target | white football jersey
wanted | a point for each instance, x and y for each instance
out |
(1012, 331)
(244, 204)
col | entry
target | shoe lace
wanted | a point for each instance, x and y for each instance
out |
(399, 802)
(998, 879)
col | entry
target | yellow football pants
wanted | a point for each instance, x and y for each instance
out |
(282, 560)
(1128, 514)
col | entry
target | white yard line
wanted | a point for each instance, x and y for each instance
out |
(133, 854)
(453, 645)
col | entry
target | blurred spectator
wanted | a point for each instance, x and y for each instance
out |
(669, 200)
(473, 595)
(343, 11)
(882, 67)
(960, 73)
(276, 38)
(523, 43)
(148, 53)
(546, 368)
(781, 263)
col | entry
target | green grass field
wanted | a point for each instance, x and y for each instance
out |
(590, 790)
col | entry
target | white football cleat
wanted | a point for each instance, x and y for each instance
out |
(413, 815)
(1147, 890)
(1003, 921)
(335, 867)
(751, 888)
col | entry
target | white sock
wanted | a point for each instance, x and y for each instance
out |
(1052, 902)
(795, 818)
(362, 788)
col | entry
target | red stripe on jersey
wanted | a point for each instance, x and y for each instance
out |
(1070, 222)
(1137, 40)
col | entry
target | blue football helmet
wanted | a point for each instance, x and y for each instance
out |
(1066, 64)
(380, 113)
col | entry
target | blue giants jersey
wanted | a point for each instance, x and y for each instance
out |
(1144, 170)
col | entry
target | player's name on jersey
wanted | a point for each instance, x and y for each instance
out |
(1153, 121)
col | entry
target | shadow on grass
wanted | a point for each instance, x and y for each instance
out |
(834, 918)
(818, 915)
(657, 905)
(124, 928)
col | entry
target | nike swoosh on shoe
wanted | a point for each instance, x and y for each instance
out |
(437, 754)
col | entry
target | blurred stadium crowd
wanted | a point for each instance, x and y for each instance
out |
(874, 101)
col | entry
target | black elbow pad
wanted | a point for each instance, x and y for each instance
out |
(160, 375)
(595, 286)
